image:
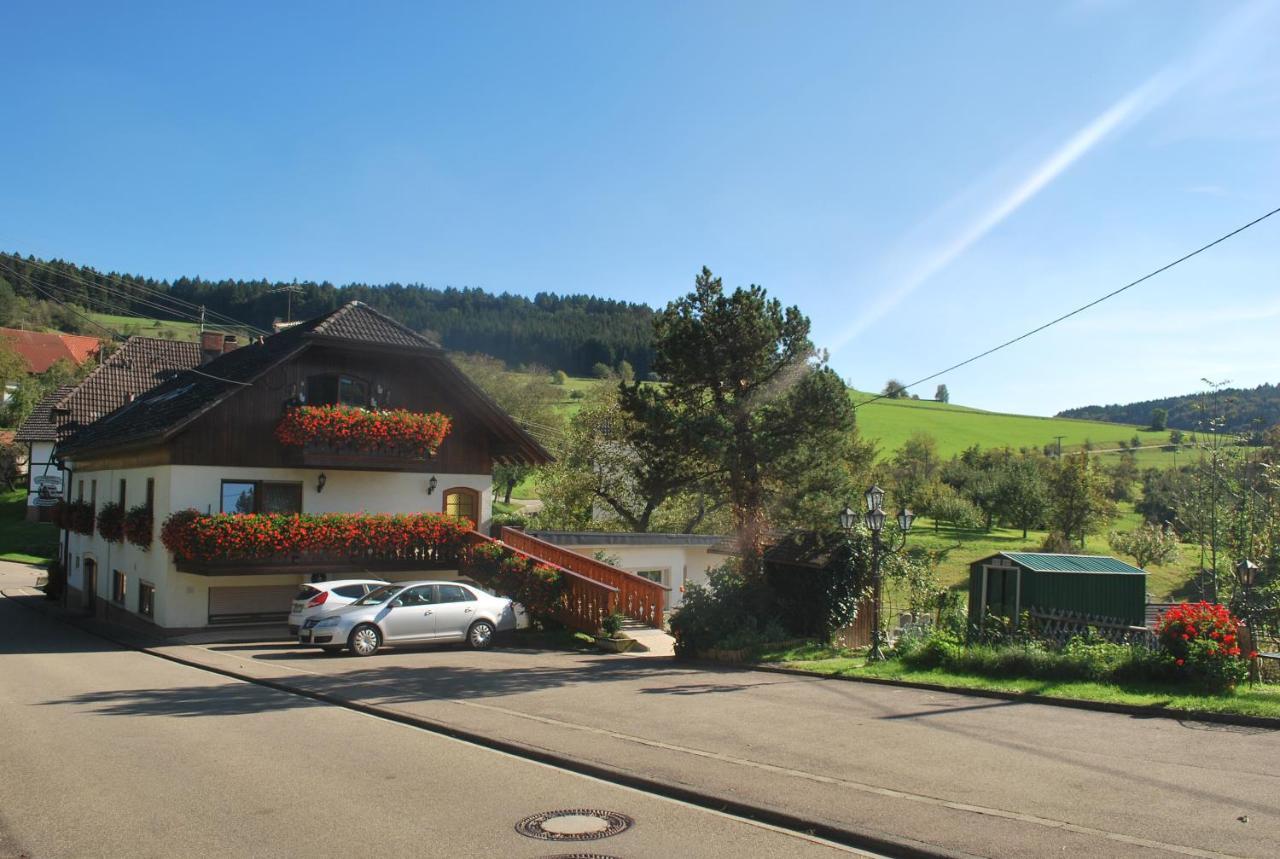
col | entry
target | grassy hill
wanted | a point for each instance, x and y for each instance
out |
(892, 422)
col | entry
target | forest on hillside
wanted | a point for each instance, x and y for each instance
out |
(560, 332)
(1241, 410)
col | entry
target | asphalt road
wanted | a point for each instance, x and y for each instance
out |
(977, 775)
(973, 775)
(110, 752)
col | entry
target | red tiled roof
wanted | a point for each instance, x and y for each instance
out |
(41, 350)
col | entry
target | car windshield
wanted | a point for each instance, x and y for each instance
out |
(379, 595)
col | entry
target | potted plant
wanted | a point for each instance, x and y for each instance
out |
(611, 637)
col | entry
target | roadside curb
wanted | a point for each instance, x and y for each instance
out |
(877, 842)
(1135, 710)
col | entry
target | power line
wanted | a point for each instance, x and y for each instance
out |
(111, 335)
(155, 293)
(1080, 309)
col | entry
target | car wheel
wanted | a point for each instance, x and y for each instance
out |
(480, 636)
(365, 640)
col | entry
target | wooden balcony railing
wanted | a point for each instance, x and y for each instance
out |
(637, 597)
(586, 602)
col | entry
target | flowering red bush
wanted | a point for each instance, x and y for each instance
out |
(138, 524)
(1203, 641)
(111, 522)
(74, 516)
(193, 536)
(343, 426)
(536, 586)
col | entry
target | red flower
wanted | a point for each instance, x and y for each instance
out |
(1180, 662)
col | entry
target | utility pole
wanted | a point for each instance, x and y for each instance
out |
(202, 319)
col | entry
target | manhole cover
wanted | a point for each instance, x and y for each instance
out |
(574, 824)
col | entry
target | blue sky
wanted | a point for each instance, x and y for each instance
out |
(922, 179)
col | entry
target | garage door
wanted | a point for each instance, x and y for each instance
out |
(253, 604)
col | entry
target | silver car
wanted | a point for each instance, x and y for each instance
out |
(412, 613)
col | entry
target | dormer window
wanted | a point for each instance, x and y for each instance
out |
(338, 389)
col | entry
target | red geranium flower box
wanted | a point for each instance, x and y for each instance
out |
(398, 431)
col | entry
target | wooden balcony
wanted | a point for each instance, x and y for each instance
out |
(339, 457)
(307, 563)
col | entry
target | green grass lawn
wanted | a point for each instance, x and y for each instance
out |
(128, 325)
(20, 540)
(1261, 700)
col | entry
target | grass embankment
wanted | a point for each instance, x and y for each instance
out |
(20, 540)
(1261, 700)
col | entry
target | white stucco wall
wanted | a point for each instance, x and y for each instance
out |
(182, 600)
(682, 565)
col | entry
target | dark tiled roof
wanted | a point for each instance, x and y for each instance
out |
(359, 322)
(174, 404)
(39, 425)
(140, 364)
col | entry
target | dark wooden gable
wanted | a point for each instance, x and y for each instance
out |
(240, 431)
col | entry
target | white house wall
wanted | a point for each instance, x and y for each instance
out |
(181, 599)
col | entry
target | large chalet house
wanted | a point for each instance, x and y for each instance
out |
(360, 426)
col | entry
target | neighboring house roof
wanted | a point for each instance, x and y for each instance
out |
(40, 350)
(40, 425)
(140, 364)
(173, 405)
(624, 538)
(1044, 562)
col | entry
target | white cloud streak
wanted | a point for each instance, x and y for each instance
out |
(1212, 51)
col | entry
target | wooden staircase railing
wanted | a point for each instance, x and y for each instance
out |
(637, 597)
(586, 601)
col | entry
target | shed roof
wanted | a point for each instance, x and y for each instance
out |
(41, 424)
(40, 350)
(1045, 562)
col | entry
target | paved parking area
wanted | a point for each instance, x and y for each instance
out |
(983, 776)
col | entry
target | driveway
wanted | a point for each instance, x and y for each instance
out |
(986, 777)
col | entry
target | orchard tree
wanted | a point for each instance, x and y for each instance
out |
(1147, 545)
(1159, 419)
(1078, 502)
(745, 391)
(1023, 494)
(942, 395)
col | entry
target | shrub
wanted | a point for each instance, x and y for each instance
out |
(111, 522)
(536, 586)
(560, 377)
(1202, 640)
(612, 624)
(723, 614)
(577, 394)
(139, 525)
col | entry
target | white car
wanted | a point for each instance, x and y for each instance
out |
(412, 613)
(320, 597)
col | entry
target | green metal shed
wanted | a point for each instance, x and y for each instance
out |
(1008, 583)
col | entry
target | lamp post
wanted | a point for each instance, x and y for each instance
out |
(1247, 574)
(874, 519)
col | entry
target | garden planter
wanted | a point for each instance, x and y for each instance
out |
(615, 645)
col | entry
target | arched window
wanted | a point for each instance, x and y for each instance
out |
(464, 502)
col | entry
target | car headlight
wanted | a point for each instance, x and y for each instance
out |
(327, 621)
